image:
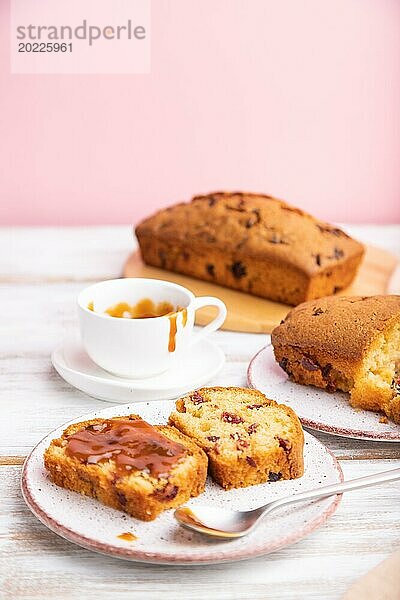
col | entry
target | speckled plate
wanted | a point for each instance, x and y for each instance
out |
(90, 524)
(316, 408)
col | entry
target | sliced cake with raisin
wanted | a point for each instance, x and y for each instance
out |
(350, 344)
(128, 464)
(248, 438)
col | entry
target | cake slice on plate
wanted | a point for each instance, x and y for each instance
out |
(128, 464)
(248, 438)
(350, 344)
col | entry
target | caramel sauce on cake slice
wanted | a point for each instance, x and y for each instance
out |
(133, 445)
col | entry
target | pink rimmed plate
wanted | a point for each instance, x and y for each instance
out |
(316, 408)
(96, 527)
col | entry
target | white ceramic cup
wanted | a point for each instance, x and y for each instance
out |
(139, 348)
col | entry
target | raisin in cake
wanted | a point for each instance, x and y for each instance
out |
(350, 344)
(248, 438)
(128, 464)
(253, 243)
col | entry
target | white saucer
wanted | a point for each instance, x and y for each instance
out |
(195, 369)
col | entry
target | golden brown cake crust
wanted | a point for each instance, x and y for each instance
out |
(349, 344)
(138, 494)
(249, 439)
(342, 327)
(251, 242)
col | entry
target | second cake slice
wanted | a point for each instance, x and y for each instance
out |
(248, 438)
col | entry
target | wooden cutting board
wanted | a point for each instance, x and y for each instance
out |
(257, 315)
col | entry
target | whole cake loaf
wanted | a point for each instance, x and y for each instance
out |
(253, 243)
(128, 464)
(345, 343)
(248, 438)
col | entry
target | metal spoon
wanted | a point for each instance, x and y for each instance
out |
(222, 523)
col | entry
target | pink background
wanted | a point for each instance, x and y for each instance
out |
(298, 98)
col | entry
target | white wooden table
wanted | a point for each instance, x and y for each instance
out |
(41, 272)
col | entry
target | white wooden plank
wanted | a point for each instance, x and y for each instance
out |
(35, 563)
(94, 253)
(64, 253)
(41, 401)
